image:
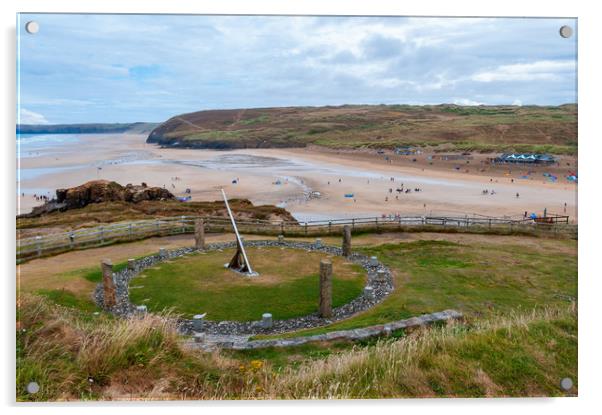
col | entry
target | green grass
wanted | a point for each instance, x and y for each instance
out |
(523, 354)
(476, 279)
(487, 128)
(72, 356)
(288, 285)
(70, 299)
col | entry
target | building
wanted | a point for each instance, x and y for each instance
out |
(528, 158)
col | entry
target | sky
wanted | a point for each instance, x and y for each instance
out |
(127, 68)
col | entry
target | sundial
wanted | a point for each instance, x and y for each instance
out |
(240, 261)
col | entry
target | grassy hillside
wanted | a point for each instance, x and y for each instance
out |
(442, 127)
(111, 212)
(73, 356)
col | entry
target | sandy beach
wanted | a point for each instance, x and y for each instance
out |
(290, 178)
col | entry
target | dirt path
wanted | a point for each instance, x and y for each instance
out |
(49, 272)
(53, 272)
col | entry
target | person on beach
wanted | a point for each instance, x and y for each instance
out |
(517, 195)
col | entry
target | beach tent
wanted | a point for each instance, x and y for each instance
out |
(348, 194)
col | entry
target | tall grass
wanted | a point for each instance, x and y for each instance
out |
(76, 357)
(503, 356)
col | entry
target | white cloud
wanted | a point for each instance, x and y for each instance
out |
(466, 101)
(540, 70)
(517, 102)
(30, 117)
(209, 62)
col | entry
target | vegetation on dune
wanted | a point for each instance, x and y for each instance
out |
(449, 127)
(111, 212)
(287, 286)
(73, 357)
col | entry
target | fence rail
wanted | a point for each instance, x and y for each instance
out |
(38, 246)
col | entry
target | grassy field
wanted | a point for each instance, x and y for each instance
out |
(448, 127)
(479, 275)
(476, 278)
(288, 285)
(76, 357)
(519, 337)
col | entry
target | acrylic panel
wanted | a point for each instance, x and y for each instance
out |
(295, 207)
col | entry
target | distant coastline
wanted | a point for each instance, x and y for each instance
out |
(92, 128)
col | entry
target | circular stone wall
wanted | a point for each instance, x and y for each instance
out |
(195, 282)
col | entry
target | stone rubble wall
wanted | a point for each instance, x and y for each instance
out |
(234, 342)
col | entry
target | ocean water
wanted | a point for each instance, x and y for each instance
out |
(35, 145)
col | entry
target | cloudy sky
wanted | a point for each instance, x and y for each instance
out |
(109, 68)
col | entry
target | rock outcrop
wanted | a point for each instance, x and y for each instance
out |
(99, 191)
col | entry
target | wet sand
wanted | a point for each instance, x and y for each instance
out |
(286, 177)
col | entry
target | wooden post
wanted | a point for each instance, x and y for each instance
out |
(131, 264)
(108, 284)
(325, 288)
(39, 245)
(346, 240)
(199, 234)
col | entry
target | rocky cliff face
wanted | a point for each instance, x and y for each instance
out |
(99, 191)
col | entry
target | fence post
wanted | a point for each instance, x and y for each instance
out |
(130, 230)
(199, 234)
(282, 227)
(158, 226)
(346, 248)
(39, 245)
(183, 224)
(108, 284)
(352, 223)
(329, 226)
(305, 228)
(71, 239)
(489, 223)
(102, 234)
(325, 305)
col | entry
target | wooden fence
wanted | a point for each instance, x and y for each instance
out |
(38, 246)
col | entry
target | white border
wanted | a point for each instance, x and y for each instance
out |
(590, 103)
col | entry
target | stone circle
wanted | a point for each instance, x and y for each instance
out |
(380, 282)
